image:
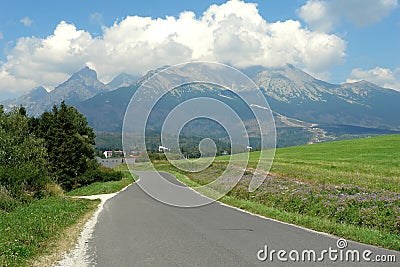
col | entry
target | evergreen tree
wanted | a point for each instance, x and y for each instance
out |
(69, 141)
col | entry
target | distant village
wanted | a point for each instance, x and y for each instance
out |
(112, 158)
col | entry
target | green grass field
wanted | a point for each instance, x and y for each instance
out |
(373, 163)
(347, 188)
(105, 187)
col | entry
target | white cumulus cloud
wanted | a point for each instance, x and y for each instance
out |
(325, 15)
(26, 21)
(232, 33)
(381, 76)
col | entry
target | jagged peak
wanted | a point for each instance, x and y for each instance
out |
(38, 89)
(84, 72)
(289, 71)
(85, 76)
(122, 77)
(121, 80)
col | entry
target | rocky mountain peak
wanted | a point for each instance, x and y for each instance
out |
(122, 80)
(289, 84)
(287, 72)
(85, 72)
(37, 92)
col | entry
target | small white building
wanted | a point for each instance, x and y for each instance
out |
(107, 154)
(162, 148)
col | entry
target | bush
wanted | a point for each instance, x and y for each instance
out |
(54, 190)
(7, 203)
(101, 174)
(23, 182)
(23, 164)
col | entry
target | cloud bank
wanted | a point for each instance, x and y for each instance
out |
(232, 33)
(381, 76)
(325, 15)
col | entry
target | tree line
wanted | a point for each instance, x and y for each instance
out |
(57, 147)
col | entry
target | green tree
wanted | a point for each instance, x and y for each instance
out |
(23, 164)
(69, 141)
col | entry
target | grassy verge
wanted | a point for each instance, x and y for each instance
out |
(29, 232)
(350, 232)
(37, 233)
(105, 187)
(348, 188)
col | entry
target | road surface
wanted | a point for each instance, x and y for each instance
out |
(135, 230)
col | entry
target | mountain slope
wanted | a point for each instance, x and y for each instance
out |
(30, 99)
(296, 94)
(291, 93)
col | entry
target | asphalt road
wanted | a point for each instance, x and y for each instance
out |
(135, 230)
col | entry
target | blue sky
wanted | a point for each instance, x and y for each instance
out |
(43, 42)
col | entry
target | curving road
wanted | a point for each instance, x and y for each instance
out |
(135, 230)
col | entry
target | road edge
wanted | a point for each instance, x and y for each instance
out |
(77, 256)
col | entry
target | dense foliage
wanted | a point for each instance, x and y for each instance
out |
(23, 165)
(101, 174)
(57, 147)
(69, 142)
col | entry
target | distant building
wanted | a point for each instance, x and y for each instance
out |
(162, 148)
(107, 154)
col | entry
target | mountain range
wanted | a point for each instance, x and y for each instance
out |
(81, 86)
(305, 109)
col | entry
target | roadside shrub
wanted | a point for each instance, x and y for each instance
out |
(54, 190)
(23, 163)
(23, 182)
(101, 174)
(7, 203)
